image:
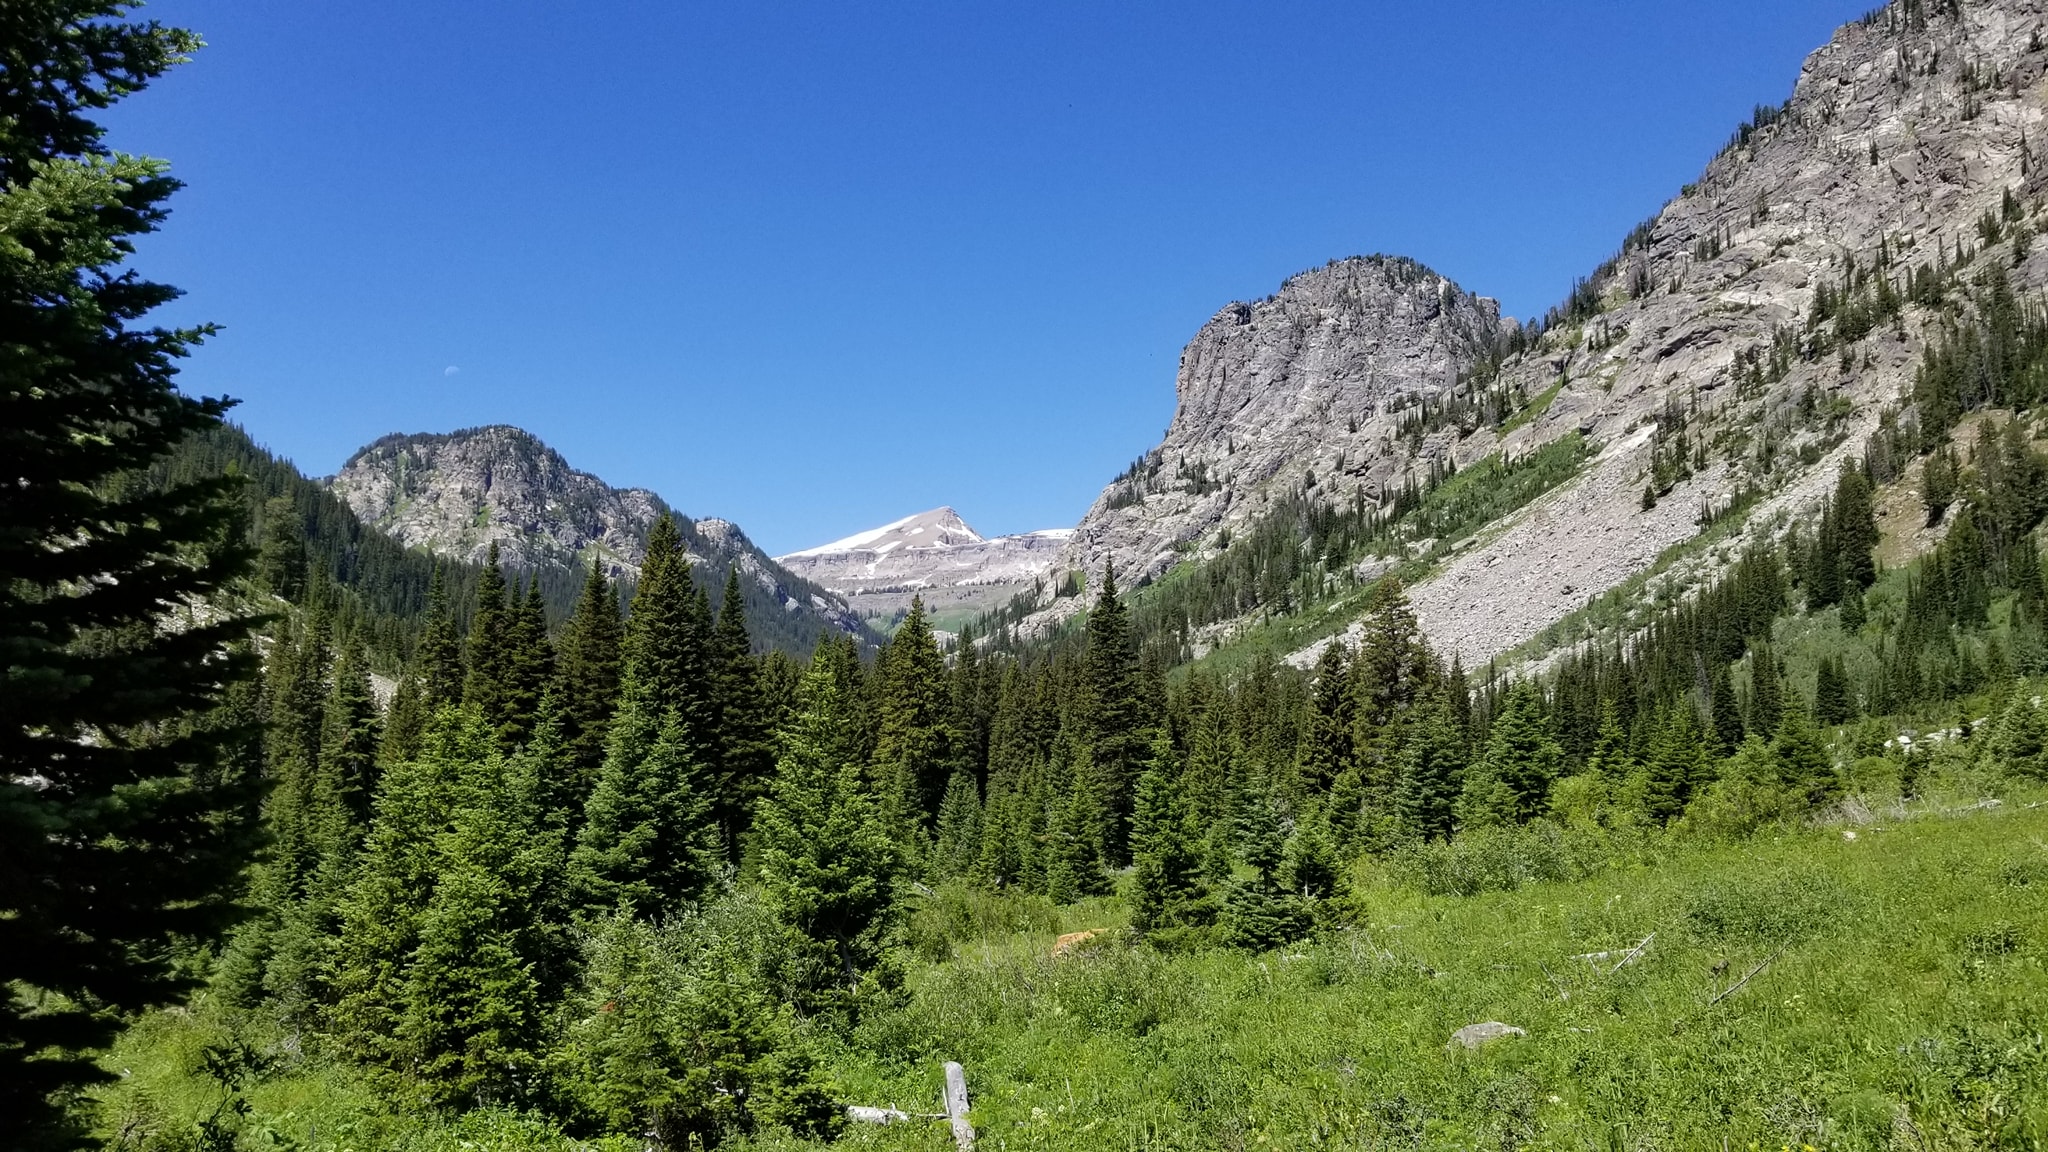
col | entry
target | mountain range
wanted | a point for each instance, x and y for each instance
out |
(1725, 359)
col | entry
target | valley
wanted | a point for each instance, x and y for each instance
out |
(1619, 728)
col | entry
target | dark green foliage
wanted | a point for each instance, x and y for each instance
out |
(126, 816)
(682, 1033)
(1169, 899)
(1432, 769)
(914, 735)
(745, 733)
(587, 669)
(1834, 701)
(647, 842)
(1118, 745)
(828, 866)
(1511, 782)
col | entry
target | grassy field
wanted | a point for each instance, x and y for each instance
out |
(1875, 983)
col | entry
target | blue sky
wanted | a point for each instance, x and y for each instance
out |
(812, 267)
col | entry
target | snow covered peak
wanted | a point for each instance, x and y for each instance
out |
(938, 528)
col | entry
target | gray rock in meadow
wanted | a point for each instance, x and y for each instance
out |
(1473, 1037)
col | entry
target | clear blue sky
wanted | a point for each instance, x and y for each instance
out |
(812, 267)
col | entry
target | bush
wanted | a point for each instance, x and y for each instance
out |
(1488, 860)
(956, 912)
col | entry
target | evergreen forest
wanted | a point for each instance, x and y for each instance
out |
(311, 842)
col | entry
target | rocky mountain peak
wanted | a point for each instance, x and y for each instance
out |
(934, 554)
(1298, 389)
(458, 493)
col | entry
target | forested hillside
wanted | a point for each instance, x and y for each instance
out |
(318, 842)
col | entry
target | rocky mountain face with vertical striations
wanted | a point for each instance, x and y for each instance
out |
(1283, 392)
(1758, 326)
(458, 493)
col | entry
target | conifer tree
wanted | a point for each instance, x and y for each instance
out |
(746, 744)
(1727, 711)
(1119, 744)
(647, 842)
(1832, 700)
(1326, 754)
(1432, 769)
(438, 660)
(2019, 743)
(1856, 532)
(1259, 914)
(667, 634)
(587, 672)
(351, 732)
(828, 866)
(1167, 897)
(471, 1024)
(1392, 669)
(1311, 870)
(487, 684)
(960, 826)
(405, 723)
(415, 807)
(1522, 757)
(1805, 771)
(1678, 762)
(529, 667)
(281, 561)
(913, 735)
(1073, 837)
(1766, 688)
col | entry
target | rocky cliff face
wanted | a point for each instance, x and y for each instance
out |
(1901, 136)
(458, 493)
(934, 555)
(1296, 389)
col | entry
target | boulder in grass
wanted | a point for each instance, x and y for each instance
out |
(1473, 1037)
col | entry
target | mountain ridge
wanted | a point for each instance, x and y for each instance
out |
(459, 493)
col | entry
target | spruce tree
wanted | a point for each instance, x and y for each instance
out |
(828, 865)
(487, 685)
(405, 723)
(959, 827)
(472, 1016)
(1259, 914)
(1521, 754)
(1727, 711)
(1432, 769)
(1326, 753)
(1167, 897)
(913, 735)
(1119, 743)
(351, 732)
(1391, 671)
(402, 859)
(587, 669)
(529, 667)
(1766, 688)
(1833, 703)
(437, 662)
(647, 842)
(1678, 762)
(746, 739)
(667, 634)
(1805, 771)
(1856, 532)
